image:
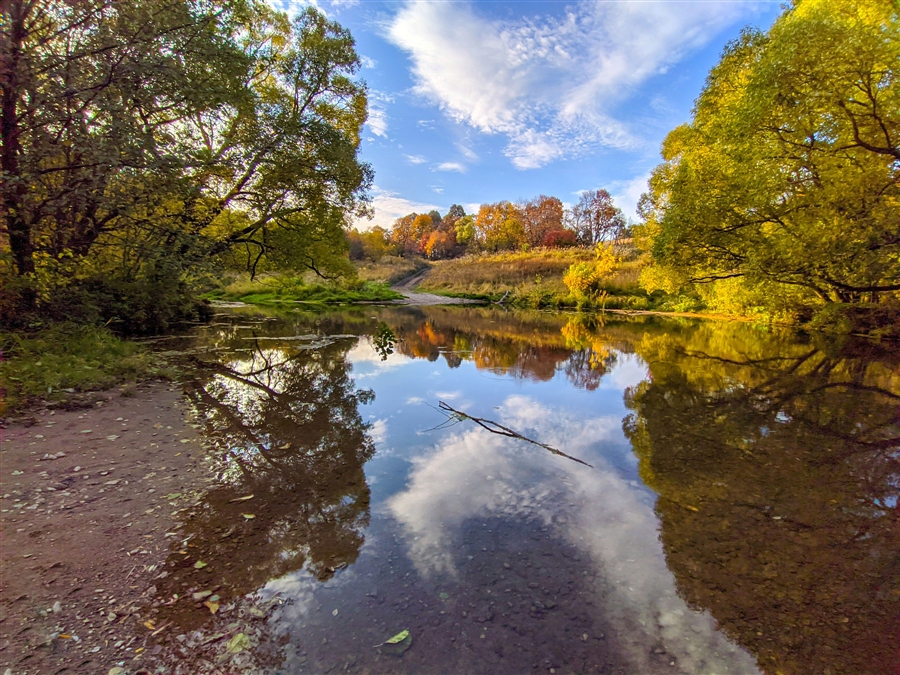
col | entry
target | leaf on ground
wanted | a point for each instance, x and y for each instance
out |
(201, 595)
(286, 446)
(150, 625)
(398, 644)
(213, 606)
(399, 637)
(240, 499)
(248, 516)
(199, 565)
(238, 643)
(185, 440)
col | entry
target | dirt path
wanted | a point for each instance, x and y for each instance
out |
(89, 507)
(407, 288)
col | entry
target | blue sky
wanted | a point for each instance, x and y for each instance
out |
(474, 102)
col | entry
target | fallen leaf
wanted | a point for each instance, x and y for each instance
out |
(185, 440)
(213, 606)
(286, 446)
(334, 613)
(241, 499)
(150, 625)
(199, 565)
(238, 643)
(397, 644)
(111, 437)
(248, 516)
(399, 637)
(201, 595)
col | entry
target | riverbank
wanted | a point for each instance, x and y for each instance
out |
(89, 510)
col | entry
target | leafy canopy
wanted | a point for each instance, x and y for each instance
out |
(789, 174)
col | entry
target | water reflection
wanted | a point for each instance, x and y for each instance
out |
(284, 427)
(746, 518)
(778, 481)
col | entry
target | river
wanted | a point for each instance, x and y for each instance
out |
(635, 495)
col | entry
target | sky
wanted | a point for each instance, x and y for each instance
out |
(477, 102)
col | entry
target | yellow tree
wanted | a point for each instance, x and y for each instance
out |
(788, 176)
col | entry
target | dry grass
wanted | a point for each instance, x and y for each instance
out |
(521, 273)
(389, 269)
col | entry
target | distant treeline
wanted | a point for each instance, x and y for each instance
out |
(503, 226)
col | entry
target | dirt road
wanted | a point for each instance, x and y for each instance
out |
(407, 288)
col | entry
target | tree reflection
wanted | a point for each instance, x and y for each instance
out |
(286, 429)
(776, 463)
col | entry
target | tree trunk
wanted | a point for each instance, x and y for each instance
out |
(12, 195)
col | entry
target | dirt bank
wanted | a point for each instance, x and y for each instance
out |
(89, 505)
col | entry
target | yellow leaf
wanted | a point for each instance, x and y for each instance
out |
(213, 606)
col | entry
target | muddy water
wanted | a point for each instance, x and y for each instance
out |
(739, 514)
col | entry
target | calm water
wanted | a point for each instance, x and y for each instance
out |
(739, 515)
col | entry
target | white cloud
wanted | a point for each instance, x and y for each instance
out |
(378, 117)
(451, 166)
(626, 193)
(438, 189)
(387, 206)
(368, 62)
(378, 121)
(550, 84)
(415, 159)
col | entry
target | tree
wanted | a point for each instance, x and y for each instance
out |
(145, 135)
(401, 233)
(596, 218)
(440, 244)
(788, 176)
(421, 227)
(465, 230)
(540, 216)
(499, 226)
(559, 239)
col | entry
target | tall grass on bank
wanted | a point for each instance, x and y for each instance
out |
(535, 279)
(52, 363)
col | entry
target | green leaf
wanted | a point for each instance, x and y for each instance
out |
(399, 637)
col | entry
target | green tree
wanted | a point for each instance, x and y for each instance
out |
(143, 138)
(789, 173)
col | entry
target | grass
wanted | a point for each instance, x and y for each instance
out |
(282, 290)
(56, 362)
(390, 269)
(535, 279)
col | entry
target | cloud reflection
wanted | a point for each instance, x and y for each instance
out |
(474, 474)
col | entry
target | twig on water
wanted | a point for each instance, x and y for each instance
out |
(499, 429)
